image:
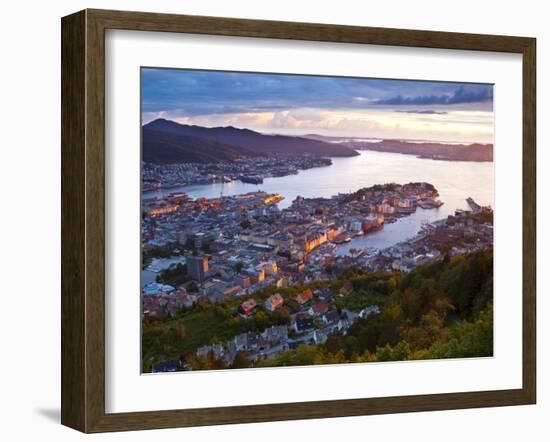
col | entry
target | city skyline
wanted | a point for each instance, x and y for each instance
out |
(330, 106)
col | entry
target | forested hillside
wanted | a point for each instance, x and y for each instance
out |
(442, 310)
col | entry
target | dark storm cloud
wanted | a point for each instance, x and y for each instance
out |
(462, 95)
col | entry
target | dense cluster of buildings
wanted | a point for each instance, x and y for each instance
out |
(313, 323)
(246, 169)
(463, 233)
(234, 246)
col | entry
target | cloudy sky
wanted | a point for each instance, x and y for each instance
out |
(298, 105)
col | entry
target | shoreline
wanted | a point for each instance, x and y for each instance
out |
(429, 157)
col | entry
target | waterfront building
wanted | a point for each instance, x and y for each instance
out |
(155, 288)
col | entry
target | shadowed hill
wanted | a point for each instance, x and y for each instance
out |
(231, 142)
(436, 151)
(164, 147)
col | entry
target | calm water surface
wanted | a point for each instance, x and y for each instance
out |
(455, 181)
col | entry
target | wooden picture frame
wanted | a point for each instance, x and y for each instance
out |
(83, 220)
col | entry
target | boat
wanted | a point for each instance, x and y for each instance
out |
(341, 239)
(430, 203)
(252, 179)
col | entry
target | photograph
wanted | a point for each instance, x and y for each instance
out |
(292, 220)
(272, 221)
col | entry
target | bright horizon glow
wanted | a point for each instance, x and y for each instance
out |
(330, 106)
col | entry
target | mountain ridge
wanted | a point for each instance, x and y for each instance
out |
(161, 147)
(164, 136)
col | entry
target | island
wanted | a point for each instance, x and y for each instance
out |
(420, 148)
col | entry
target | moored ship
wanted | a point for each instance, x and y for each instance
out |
(251, 179)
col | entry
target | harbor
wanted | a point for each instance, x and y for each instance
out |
(454, 180)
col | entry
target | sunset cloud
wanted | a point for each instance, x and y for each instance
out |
(299, 104)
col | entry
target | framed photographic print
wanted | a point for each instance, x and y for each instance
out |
(266, 221)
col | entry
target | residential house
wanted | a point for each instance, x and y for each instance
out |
(304, 296)
(216, 349)
(318, 309)
(319, 337)
(346, 289)
(274, 302)
(301, 325)
(165, 366)
(368, 311)
(331, 317)
(275, 334)
(244, 342)
(247, 308)
(324, 295)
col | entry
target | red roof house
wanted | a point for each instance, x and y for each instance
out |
(248, 307)
(274, 302)
(304, 297)
(318, 309)
(346, 289)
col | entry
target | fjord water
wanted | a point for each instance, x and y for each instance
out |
(455, 181)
